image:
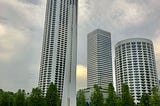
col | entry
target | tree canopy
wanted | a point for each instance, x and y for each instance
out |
(111, 99)
(52, 96)
(97, 97)
(20, 98)
(36, 98)
(145, 100)
(155, 97)
(81, 98)
(127, 99)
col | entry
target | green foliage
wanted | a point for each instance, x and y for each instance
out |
(1, 93)
(81, 98)
(35, 98)
(52, 97)
(118, 101)
(11, 98)
(97, 97)
(7, 99)
(111, 100)
(20, 98)
(127, 99)
(155, 98)
(144, 100)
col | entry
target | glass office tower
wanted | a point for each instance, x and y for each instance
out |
(99, 59)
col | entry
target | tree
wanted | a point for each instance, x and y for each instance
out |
(7, 99)
(11, 98)
(127, 99)
(145, 100)
(97, 97)
(155, 98)
(52, 97)
(36, 98)
(81, 98)
(20, 98)
(118, 101)
(1, 94)
(111, 100)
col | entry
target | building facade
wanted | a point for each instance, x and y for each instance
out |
(135, 66)
(59, 50)
(99, 59)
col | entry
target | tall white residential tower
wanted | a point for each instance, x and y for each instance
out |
(59, 51)
(99, 59)
(135, 66)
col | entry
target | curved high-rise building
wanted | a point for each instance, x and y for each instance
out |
(99, 59)
(135, 66)
(59, 51)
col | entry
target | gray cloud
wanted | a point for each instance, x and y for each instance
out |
(21, 32)
(35, 2)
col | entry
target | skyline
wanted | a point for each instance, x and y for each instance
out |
(21, 33)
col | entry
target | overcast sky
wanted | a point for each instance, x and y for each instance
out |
(21, 30)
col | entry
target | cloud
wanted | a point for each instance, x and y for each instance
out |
(22, 16)
(157, 50)
(84, 11)
(126, 13)
(112, 13)
(21, 30)
(157, 42)
(35, 2)
(81, 76)
(9, 39)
